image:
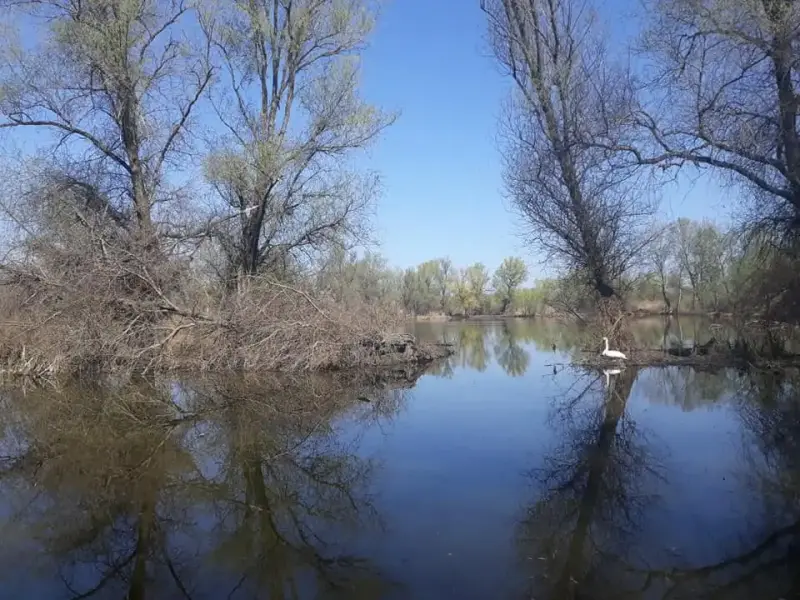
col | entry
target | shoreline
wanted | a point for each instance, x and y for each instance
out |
(635, 314)
(471, 318)
(395, 352)
(659, 359)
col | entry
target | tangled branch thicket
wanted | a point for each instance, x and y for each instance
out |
(131, 244)
(123, 312)
(84, 293)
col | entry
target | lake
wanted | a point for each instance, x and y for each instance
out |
(501, 473)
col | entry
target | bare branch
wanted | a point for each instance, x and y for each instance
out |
(581, 204)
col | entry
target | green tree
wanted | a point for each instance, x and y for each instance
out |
(290, 114)
(444, 281)
(411, 291)
(477, 280)
(349, 277)
(533, 301)
(702, 251)
(507, 278)
(463, 294)
(428, 287)
(113, 85)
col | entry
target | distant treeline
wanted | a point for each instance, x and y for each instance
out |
(688, 267)
(698, 267)
(438, 287)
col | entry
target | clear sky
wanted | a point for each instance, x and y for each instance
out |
(440, 162)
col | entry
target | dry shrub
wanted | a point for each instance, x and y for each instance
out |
(82, 308)
(102, 303)
(274, 326)
(599, 317)
(774, 290)
(86, 290)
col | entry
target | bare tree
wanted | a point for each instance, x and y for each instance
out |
(684, 240)
(582, 205)
(701, 250)
(290, 116)
(723, 95)
(661, 254)
(114, 84)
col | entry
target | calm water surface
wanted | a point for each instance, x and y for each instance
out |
(496, 475)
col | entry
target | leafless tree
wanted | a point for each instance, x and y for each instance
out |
(581, 204)
(660, 255)
(290, 116)
(722, 94)
(114, 85)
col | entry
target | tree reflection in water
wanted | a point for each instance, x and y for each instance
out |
(511, 356)
(510, 342)
(217, 489)
(471, 348)
(689, 388)
(474, 343)
(762, 563)
(593, 491)
(588, 502)
(579, 537)
(238, 490)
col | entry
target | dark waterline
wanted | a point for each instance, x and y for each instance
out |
(497, 475)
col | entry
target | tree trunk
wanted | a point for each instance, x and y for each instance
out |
(138, 581)
(667, 327)
(667, 305)
(783, 62)
(599, 279)
(129, 124)
(251, 239)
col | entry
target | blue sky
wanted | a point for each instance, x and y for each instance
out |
(440, 162)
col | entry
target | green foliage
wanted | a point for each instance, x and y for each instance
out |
(698, 266)
(290, 111)
(350, 278)
(436, 286)
(507, 278)
(426, 288)
(529, 302)
(444, 280)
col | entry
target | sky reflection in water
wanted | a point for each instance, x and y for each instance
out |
(490, 477)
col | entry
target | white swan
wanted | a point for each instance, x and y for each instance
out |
(608, 372)
(612, 353)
